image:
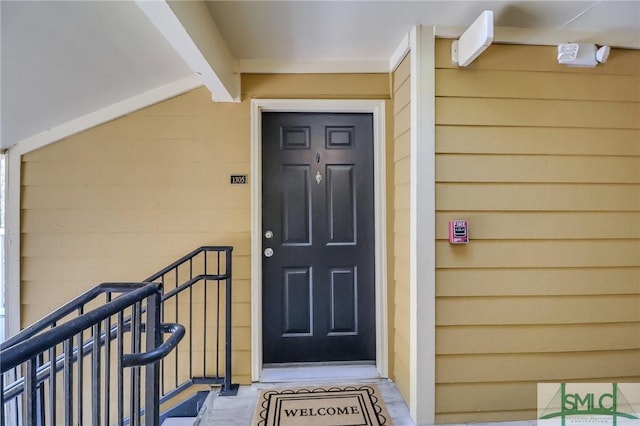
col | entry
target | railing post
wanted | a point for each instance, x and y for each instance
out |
(152, 373)
(228, 389)
(30, 391)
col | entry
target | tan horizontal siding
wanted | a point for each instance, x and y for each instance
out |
(102, 244)
(538, 310)
(536, 140)
(539, 85)
(402, 120)
(402, 227)
(537, 367)
(144, 149)
(134, 196)
(402, 146)
(401, 203)
(403, 171)
(537, 197)
(401, 75)
(401, 273)
(195, 173)
(539, 253)
(116, 267)
(402, 97)
(546, 169)
(486, 416)
(401, 243)
(536, 338)
(537, 113)
(470, 397)
(537, 281)
(537, 168)
(136, 221)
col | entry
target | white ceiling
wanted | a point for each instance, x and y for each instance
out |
(61, 60)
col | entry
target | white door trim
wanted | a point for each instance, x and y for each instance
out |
(377, 108)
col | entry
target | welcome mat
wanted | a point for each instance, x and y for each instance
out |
(356, 405)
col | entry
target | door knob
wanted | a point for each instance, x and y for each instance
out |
(268, 252)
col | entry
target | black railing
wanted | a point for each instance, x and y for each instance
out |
(46, 367)
(197, 294)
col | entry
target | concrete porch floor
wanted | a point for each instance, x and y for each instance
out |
(238, 410)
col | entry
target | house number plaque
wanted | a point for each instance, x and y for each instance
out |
(238, 179)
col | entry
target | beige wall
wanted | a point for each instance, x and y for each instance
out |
(401, 179)
(544, 162)
(121, 201)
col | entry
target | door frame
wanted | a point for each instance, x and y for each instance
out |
(377, 109)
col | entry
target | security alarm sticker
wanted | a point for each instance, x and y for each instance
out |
(458, 232)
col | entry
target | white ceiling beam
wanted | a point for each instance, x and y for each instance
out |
(190, 29)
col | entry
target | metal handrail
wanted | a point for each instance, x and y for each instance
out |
(177, 332)
(186, 258)
(51, 319)
(135, 360)
(27, 349)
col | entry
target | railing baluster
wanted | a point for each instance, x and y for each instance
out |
(191, 319)
(204, 314)
(177, 363)
(135, 371)
(3, 420)
(162, 363)
(218, 322)
(152, 388)
(30, 391)
(107, 366)
(68, 382)
(80, 378)
(40, 397)
(95, 379)
(120, 353)
(52, 384)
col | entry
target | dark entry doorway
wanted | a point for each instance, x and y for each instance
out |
(318, 237)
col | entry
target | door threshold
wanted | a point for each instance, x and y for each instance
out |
(318, 372)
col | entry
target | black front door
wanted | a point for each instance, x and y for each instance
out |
(318, 237)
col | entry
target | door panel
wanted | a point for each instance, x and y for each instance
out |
(341, 204)
(297, 302)
(296, 205)
(344, 298)
(319, 285)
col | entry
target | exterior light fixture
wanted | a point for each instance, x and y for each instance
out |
(582, 54)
